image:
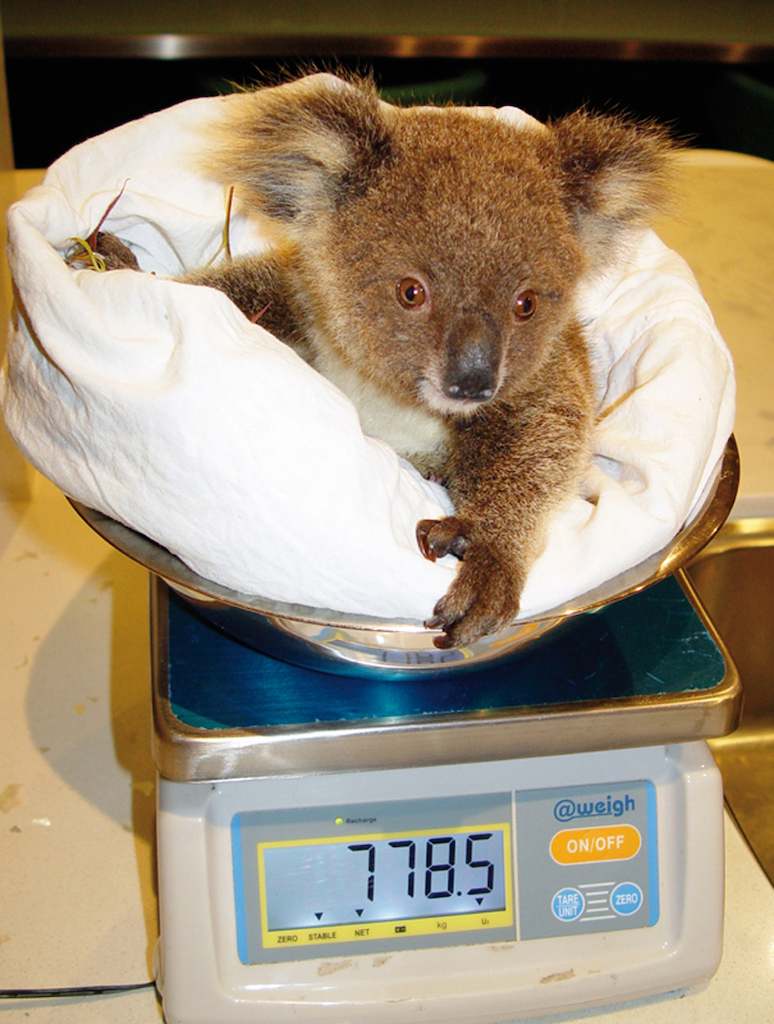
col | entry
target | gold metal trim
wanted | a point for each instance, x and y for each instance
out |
(179, 46)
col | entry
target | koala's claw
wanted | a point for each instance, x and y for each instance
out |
(440, 537)
(464, 629)
(457, 633)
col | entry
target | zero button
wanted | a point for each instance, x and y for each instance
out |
(626, 898)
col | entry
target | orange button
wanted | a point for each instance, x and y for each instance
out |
(586, 845)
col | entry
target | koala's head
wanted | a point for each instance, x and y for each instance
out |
(439, 249)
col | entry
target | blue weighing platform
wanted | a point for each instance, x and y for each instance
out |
(650, 645)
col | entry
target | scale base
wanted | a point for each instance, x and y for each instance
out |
(659, 931)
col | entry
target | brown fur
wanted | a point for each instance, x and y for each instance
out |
(490, 220)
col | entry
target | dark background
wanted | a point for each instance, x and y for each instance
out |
(56, 102)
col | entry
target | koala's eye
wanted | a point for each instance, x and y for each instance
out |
(525, 305)
(411, 293)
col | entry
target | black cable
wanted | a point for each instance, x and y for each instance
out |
(60, 993)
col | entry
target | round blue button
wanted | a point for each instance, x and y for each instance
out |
(568, 905)
(626, 898)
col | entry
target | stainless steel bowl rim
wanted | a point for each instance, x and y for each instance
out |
(711, 512)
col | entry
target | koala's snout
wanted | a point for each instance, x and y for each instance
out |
(474, 351)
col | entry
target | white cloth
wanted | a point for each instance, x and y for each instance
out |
(159, 404)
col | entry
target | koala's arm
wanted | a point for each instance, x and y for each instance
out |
(509, 468)
(263, 288)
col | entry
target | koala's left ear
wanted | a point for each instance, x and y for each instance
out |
(615, 174)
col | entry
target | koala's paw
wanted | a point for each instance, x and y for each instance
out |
(484, 596)
(116, 255)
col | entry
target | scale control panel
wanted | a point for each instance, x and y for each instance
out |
(410, 874)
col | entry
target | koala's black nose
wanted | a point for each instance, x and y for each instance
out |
(473, 359)
(476, 385)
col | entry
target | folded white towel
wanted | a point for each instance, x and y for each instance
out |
(160, 405)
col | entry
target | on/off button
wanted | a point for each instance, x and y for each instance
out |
(591, 845)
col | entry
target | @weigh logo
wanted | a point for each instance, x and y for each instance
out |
(607, 807)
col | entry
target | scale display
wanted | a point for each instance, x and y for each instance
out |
(426, 873)
(381, 885)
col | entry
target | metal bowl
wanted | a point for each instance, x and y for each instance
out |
(348, 644)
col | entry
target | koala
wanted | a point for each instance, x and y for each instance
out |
(427, 260)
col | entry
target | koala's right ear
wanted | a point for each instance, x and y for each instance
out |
(615, 174)
(295, 151)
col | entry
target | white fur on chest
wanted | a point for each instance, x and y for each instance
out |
(414, 433)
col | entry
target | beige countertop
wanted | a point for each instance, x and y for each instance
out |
(725, 230)
(77, 891)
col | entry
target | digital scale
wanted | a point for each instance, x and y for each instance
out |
(542, 835)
